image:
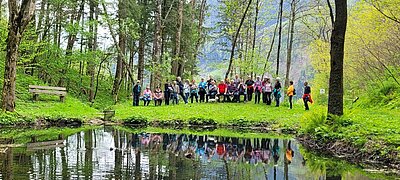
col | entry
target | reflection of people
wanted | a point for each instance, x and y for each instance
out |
(289, 153)
(266, 153)
(275, 151)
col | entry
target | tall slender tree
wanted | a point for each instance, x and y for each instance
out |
(278, 53)
(290, 41)
(235, 39)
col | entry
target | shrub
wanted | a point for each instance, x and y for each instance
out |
(136, 120)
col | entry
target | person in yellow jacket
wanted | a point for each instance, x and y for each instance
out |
(290, 93)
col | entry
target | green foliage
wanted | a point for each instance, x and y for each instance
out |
(136, 120)
(202, 121)
(7, 118)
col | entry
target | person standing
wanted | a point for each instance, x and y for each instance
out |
(257, 90)
(202, 90)
(193, 91)
(277, 91)
(137, 89)
(186, 89)
(242, 91)
(167, 92)
(250, 89)
(175, 93)
(158, 95)
(181, 86)
(267, 91)
(307, 96)
(290, 94)
(237, 80)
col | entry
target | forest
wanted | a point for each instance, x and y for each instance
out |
(348, 51)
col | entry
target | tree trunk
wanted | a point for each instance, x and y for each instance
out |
(335, 102)
(177, 55)
(279, 37)
(200, 33)
(156, 79)
(290, 44)
(18, 20)
(254, 37)
(121, 44)
(92, 45)
(235, 39)
(142, 42)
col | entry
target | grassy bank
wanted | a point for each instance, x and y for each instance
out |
(222, 114)
(369, 135)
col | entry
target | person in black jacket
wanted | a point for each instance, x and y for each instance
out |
(167, 92)
(137, 89)
(250, 88)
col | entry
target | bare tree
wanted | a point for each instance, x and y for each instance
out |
(235, 39)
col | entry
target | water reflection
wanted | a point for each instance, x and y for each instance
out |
(110, 153)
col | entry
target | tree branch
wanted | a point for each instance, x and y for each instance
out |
(331, 12)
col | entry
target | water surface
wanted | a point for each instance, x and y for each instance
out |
(117, 153)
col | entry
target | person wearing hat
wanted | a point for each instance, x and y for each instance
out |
(277, 91)
(257, 90)
(147, 96)
(250, 89)
(267, 91)
(137, 89)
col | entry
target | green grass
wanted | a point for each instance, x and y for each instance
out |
(221, 113)
(372, 130)
(51, 107)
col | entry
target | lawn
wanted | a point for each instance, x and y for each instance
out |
(221, 113)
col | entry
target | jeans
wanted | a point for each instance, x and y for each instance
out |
(166, 97)
(194, 95)
(174, 97)
(244, 95)
(211, 95)
(277, 99)
(306, 104)
(291, 101)
(157, 102)
(250, 94)
(183, 97)
(257, 97)
(268, 98)
(202, 94)
(187, 95)
(135, 99)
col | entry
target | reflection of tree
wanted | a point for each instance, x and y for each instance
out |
(8, 165)
(285, 161)
(88, 168)
(117, 154)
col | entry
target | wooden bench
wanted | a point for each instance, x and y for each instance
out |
(59, 91)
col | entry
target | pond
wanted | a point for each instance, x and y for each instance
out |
(127, 153)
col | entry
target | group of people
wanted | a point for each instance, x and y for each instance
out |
(225, 91)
